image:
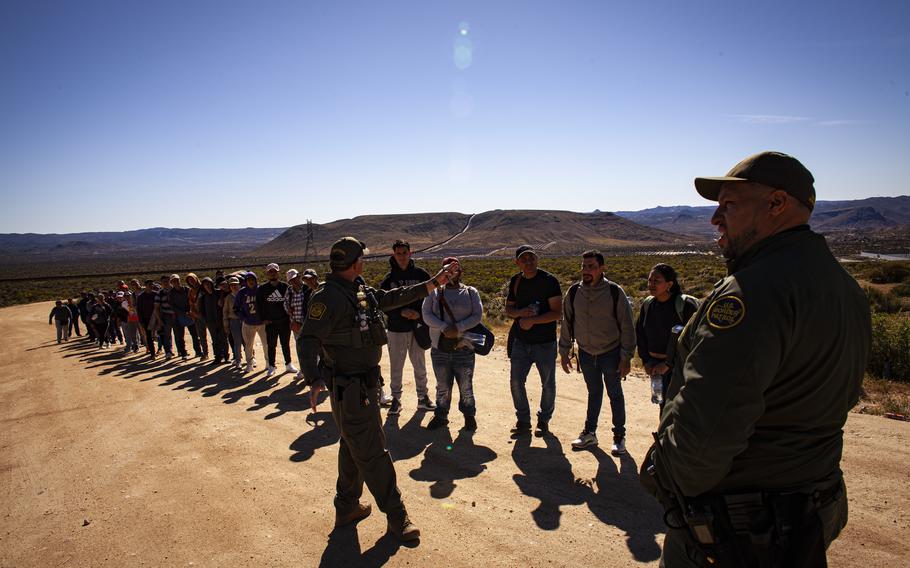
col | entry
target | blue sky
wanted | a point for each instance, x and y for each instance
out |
(127, 114)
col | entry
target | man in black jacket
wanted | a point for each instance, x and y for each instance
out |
(270, 304)
(402, 322)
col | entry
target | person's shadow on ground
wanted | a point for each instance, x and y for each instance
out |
(322, 432)
(288, 398)
(617, 499)
(407, 441)
(447, 460)
(614, 496)
(343, 549)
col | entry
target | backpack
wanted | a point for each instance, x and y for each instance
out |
(679, 304)
(615, 291)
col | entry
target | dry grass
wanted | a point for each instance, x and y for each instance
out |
(883, 397)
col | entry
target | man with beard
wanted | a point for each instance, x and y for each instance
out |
(747, 456)
(597, 316)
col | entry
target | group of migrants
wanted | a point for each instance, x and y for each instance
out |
(754, 382)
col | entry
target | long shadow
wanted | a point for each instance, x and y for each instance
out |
(546, 475)
(343, 550)
(614, 495)
(617, 499)
(447, 460)
(261, 385)
(323, 432)
(409, 440)
(286, 399)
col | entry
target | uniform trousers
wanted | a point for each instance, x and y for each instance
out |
(362, 453)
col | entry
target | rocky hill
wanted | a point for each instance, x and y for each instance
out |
(490, 233)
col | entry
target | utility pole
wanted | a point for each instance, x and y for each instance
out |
(310, 243)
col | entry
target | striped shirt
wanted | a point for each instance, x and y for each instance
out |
(163, 301)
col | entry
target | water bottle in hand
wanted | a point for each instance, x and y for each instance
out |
(657, 385)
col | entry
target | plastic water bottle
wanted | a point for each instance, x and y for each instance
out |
(477, 339)
(657, 385)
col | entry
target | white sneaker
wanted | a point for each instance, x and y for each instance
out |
(269, 371)
(299, 376)
(249, 367)
(290, 368)
(385, 399)
(584, 440)
(619, 447)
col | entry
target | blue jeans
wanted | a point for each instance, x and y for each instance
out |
(543, 355)
(450, 368)
(599, 370)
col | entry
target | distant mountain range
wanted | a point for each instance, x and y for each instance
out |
(146, 242)
(488, 233)
(870, 214)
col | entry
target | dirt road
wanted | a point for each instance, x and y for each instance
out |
(112, 460)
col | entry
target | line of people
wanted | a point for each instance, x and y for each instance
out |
(222, 316)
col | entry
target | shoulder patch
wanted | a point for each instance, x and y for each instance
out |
(317, 310)
(726, 312)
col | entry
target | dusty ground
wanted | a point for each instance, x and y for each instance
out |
(110, 460)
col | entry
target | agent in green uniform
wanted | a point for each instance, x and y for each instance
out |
(344, 326)
(747, 454)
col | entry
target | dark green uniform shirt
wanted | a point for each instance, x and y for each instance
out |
(766, 372)
(335, 321)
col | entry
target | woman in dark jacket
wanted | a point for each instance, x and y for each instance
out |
(665, 308)
(211, 312)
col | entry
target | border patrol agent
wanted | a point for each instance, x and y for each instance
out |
(746, 459)
(344, 325)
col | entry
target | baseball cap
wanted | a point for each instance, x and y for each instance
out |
(173, 277)
(292, 274)
(310, 273)
(449, 260)
(272, 266)
(525, 248)
(774, 169)
(233, 280)
(346, 251)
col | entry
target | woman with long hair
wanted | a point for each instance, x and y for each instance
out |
(665, 308)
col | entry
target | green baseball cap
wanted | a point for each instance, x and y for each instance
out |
(774, 169)
(346, 251)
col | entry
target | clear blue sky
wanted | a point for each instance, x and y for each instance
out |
(130, 114)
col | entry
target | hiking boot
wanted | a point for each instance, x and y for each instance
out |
(403, 529)
(543, 428)
(619, 447)
(470, 424)
(395, 408)
(359, 512)
(424, 403)
(521, 428)
(584, 440)
(437, 422)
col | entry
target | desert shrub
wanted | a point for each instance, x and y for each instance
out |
(902, 290)
(889, 273)
(890, 356)
(883, 302)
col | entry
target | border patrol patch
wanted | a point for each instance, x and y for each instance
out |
(317, 310)
(726, 312)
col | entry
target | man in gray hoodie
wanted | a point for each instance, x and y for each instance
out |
(598, 317)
